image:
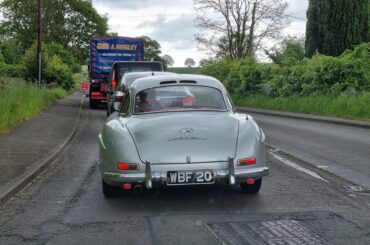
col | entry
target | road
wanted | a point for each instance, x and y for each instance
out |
(65, 205)
(342, 150)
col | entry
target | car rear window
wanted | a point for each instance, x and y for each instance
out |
(179, 98)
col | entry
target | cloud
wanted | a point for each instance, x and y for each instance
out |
(178, 31)
(140, 4)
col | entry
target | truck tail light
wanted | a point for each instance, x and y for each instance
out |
(126, 166)
(114, 83)
(103, 87)
(247, 161)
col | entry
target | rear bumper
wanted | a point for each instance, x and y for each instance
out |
(151, 179)
(98, 96)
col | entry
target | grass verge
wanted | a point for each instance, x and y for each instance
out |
(343, 106)
(20, 101)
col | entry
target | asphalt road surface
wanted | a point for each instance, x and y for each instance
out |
(342, 150)
(298, 204)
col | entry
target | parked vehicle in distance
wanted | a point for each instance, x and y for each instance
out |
(104, 52)
(124, 84)
(178, 130)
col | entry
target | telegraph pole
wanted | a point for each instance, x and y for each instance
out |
(39, 39)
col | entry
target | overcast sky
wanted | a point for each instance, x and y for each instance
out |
(170, 22)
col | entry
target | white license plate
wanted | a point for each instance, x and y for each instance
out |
(190, 177)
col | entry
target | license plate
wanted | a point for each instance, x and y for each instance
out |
(190, 177)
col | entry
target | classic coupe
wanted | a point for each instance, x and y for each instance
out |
(177, 130)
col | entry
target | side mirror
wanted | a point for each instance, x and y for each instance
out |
(117, 106)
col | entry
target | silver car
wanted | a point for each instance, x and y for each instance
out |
(180, 130)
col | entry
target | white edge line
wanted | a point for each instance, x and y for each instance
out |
(296, 166)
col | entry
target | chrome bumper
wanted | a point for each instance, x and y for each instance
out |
(229, 176)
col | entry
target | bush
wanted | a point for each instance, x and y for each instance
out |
(321, 75)
(56, 65)
(59, 72)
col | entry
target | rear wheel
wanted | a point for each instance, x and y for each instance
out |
(246, 188)
(109, 191)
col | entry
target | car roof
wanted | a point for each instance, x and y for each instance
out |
(175, 79)
(135, 75)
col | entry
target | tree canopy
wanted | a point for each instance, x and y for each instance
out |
(190, 62)
(71, 23)
(336, 25)
(168, 59)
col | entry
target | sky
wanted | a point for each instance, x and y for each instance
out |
(171, 23)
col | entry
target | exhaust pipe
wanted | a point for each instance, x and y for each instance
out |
(138, 189)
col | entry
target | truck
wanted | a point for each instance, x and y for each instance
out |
(104, 52)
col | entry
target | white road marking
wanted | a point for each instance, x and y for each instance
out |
(296, 166)
(323, 167)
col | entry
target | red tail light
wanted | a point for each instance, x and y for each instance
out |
(250, 181)
(103, 87)
(120, 98)
(248, 161)
(127, 186)
(114, 83)
(126, 166)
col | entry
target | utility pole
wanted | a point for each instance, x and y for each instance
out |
(39, 39)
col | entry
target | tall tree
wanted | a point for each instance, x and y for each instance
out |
(241, 26)
(69, 22)
(336, 25)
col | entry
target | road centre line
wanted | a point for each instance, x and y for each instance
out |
(296, 166)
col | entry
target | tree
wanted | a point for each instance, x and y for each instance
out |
(189, 62)
(336, 25)
(11, 50)
(152, 51)
(242, 27)
(168, 59)
(289, 52)
(71, 23)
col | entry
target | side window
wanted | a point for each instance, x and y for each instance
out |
(125, 108)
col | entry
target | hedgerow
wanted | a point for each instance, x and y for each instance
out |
(320, 75)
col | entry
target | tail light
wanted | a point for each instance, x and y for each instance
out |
(247, 161)
(120, 96)
(114, 83)
(126, 166)
(103, 87)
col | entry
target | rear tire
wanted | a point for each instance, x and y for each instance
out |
(109, 191)
(253, 189)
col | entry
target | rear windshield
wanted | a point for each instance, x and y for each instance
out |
(179, 98)
(137, 67)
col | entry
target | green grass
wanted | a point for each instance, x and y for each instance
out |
(344, 106)
(185, 70)
(20, 101)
